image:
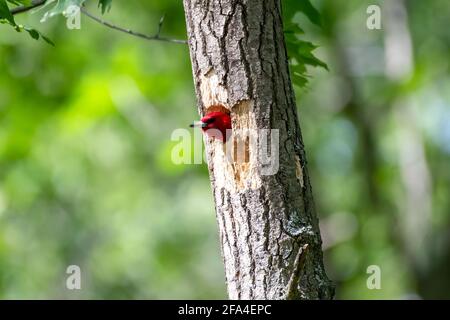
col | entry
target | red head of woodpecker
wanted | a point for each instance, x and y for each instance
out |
(215, 124)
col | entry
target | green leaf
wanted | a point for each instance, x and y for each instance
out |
(311, 13)
(20, 2)
(5, 13)
(291, 7)
(293, 28)
(46, 39)
(33, 33)
(105, 5)
(300, 52)
(299, 79)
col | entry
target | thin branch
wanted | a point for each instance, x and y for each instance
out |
(156, 37)
(22, 9)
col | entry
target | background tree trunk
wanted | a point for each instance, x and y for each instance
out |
(240, 63)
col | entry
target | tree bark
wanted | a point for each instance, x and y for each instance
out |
(270, 239)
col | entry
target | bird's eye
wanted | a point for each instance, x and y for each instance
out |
(210, 120)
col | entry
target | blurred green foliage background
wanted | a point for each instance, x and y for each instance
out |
(86, 176)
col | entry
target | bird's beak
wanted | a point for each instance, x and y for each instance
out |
(198, 124)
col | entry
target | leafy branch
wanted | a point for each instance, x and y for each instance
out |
(7, 16)
(60, 7)
(300, 51)
(157, 36)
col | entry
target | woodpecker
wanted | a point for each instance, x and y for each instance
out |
(217, 120)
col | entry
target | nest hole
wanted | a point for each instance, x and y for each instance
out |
(217, 107)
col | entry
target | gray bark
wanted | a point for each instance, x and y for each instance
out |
(270, 239)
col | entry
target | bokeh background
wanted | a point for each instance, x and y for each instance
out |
(86, 176)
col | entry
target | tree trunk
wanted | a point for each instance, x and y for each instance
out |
(269, 232)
